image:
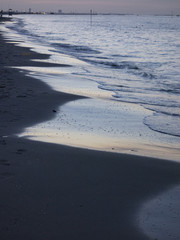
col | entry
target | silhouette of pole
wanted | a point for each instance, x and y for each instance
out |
(91, 12)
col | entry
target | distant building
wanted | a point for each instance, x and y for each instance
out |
(59, 11)
(30, 10)
(10, 12)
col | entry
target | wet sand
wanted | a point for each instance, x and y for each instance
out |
(50, 191)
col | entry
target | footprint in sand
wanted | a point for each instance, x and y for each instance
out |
(3, 170)
(20, 151)
(4, 162)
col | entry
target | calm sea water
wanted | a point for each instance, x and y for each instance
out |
(136, 59)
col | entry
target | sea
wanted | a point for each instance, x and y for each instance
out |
(128, 67)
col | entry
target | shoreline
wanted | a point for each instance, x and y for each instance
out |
(92, 123)
(101, 125)
(23, 97)
(54, 191)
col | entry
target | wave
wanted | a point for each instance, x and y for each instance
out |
(147, 75)
(113, 64)
(123, 65)
(152, 94)
(123, 56)
(170, 111)
(115, 88)
(166, 116)
(173, 88)
(83, 53)
(75, 48)
(164, 124)
(141, 97)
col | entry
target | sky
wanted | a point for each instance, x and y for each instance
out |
(99, 6)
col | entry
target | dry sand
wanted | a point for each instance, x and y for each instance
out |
(50, 191)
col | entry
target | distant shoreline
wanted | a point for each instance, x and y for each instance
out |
(85, 13)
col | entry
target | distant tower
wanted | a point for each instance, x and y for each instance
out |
(29, 10)
(59, 11)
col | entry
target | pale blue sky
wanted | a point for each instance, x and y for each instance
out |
(114, 6)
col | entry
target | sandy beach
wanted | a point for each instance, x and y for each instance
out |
(50, 191)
